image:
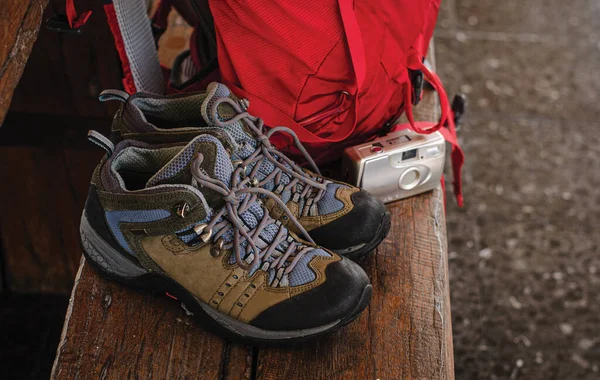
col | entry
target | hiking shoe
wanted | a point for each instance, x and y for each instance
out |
(181, 220)
(340, 217)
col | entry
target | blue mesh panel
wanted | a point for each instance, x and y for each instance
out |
(249, 219)
(286, 196)
(115, 218)
(236, 131)
(302, 274)
(189, 237)
(269, 232)
(329, 203)
(272, 273)
(223, 167)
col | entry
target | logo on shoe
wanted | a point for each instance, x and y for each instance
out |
(173, 244)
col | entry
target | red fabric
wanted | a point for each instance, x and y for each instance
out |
(295, 61)
(111, 16)
(76, 21)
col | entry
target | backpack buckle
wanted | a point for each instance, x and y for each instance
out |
(60, 24)
(458, 108)
(417, 79)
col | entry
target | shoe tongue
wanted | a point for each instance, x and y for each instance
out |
(224, 112)
(216, 163)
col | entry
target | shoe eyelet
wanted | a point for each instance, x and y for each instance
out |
(221, 294)
(235, 277)
(204, 235)
(217, 249)
(182, 209)
(240, 304)
(253, 286)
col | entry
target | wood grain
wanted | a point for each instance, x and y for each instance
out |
(113, 332)
(19, 23)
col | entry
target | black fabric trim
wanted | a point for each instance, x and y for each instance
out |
(95, 216)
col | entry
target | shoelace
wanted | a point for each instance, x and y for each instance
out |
(266, 150)
(229, 217)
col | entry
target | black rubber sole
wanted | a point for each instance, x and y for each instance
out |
(382, 232)
(159, 284)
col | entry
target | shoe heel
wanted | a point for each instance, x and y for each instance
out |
(110, 262)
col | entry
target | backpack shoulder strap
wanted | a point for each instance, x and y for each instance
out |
(132, 31)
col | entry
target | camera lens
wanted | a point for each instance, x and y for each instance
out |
(409, 179)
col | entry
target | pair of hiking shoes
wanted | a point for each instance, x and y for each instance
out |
(194, 201)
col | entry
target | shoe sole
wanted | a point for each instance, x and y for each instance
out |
(113, 265)
(357, 252)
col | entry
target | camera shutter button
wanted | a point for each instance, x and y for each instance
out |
(376, 149)
(410, 179)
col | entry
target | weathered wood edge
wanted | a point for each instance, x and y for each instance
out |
(12, 68)
(63, 335)
(442, 295)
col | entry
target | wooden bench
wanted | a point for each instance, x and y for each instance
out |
(115, 332)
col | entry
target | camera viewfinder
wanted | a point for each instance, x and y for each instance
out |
(409, 154)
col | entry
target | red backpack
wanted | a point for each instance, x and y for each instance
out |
(334, 71)
(337, 72)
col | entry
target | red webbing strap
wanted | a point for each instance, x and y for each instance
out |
(355, 42)
(76, 21)
(415, 63)
(113, 23)
(456, 156)
(275, 117)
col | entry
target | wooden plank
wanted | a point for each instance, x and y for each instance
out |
(20, 22)
(113, 332)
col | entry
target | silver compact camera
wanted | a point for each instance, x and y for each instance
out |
(399, 165)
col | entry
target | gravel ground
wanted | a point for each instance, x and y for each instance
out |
(524, 263)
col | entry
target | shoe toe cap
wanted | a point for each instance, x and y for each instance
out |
(359, 226)
(340, 297)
